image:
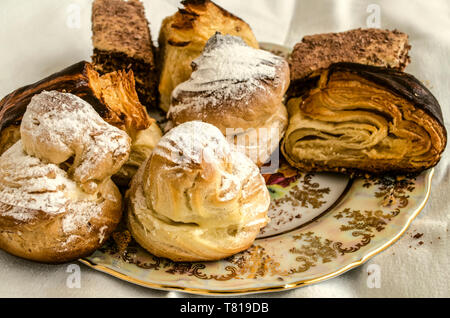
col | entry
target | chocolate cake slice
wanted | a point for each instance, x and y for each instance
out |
(122, 41)
(375, 47)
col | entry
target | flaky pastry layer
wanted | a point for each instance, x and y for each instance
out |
(362, 118)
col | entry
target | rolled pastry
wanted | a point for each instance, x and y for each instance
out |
(353, 117)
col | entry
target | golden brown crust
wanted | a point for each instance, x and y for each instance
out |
(183, 36)
(57, 201)
(8, 137)
(116, 90)
(43, 240)
(192, 11)
(143, 143)
(176, 241)
(194, 199)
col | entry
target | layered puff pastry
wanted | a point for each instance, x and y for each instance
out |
(112, 95)
(183, 36)
(57, 200)
(352, 117)
(195, 199)
(238, 89)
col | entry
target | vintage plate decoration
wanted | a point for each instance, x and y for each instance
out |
(322, 224)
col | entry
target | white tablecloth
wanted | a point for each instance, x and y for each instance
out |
(40, 37)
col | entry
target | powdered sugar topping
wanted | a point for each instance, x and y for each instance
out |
(28, 185)
(57, 126)
(227, 69)
(193, 142)
(36, 175)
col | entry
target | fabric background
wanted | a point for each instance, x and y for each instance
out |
(38, 37)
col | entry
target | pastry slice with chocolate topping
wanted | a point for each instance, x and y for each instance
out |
(122, 41)
(375, 47)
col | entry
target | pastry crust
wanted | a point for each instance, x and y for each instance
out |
(37, 235)
(116, 91)
(183, 36)
(195, 199)
(57, 201)
(239, 90)
(8, 137)
(354, 117)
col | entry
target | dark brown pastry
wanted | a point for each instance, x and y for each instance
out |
(82, 80)
(353, 117)
(122, 41)
(364, 46)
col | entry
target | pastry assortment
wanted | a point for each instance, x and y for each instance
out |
(79, 152)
